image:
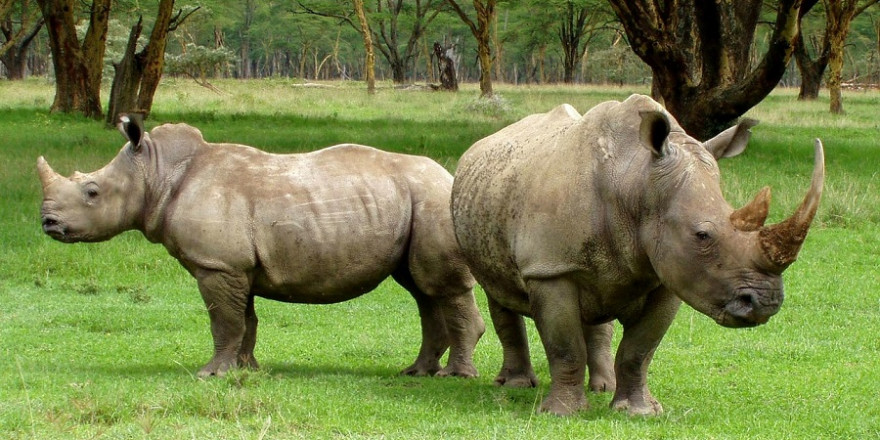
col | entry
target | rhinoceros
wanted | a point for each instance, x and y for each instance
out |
(319, 227)
(576, 221)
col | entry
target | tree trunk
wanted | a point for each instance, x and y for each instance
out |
(246, 71)
(570, 33)
(811, 70)
(370, 67)
(137, 75)
(14, 51)
(446, 65)
(481, 31)
(699, 54)
(839, 15)
(126, 79)
(78, 68)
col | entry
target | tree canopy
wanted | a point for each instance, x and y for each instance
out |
(571, 41)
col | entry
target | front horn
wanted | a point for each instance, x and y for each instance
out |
(47, 174)
(781, 242)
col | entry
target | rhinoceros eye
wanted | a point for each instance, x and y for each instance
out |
(91, 191)
(703, 235)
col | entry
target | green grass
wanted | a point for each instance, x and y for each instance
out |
(103, 340)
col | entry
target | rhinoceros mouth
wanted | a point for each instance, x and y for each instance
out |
(54, 228)
(749, 308)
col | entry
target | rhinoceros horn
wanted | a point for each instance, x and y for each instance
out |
(781, 242)
(47, 174)
(752, 216)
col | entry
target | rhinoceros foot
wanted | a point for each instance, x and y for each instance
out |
(467, 370)
(421, 368)
(602, 383)
(647, 406)
(524, 379)
(564, 401)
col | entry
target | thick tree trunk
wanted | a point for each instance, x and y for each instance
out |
(126, 79)
(138, 74)
(78, 68)
(811, 70)
(699, 54)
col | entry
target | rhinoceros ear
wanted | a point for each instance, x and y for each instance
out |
(653, 131)
(131, 126)
(732, 141)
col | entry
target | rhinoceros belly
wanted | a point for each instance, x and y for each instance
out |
(330, 246)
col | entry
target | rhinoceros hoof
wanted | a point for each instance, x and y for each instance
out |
(419, 370)
(648, 407)
(563, 406)
(517, 380)
(602, 385)
(216, 369)
(468, 371)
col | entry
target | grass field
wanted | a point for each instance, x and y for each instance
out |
(103, 340)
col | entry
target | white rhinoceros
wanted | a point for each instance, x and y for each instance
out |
(316, 228)
(576, 221)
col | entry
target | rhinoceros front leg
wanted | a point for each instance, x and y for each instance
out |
(641, 336)
(516, 368)
(227, 297)
(557, 315)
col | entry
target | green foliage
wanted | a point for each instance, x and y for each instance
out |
(199, 62)
(103, 340)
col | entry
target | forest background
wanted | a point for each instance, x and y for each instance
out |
(321, 40)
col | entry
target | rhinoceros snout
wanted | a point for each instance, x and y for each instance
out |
(750, 308)
(53, 227)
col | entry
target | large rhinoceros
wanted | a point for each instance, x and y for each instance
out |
(576, 221)
(320, 227)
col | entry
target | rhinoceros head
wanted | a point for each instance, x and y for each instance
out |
(725, 263)
(98, 205)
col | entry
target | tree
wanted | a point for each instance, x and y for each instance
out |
(699, 53)
(78, 66)
(388, 19)
(479, 26)
(368, 46)
(839, 14)
(812, 69)
(579, 21)
(137, 75)
(14, 48)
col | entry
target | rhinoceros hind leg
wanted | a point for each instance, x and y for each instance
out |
(465, 326)
(516, 369)
(246, 357)
(600, 362)
(435, 335)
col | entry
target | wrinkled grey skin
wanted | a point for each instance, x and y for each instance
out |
(321, 227)
(577, 221)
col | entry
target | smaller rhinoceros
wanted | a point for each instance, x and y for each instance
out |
(317, 228)
(617, 214)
